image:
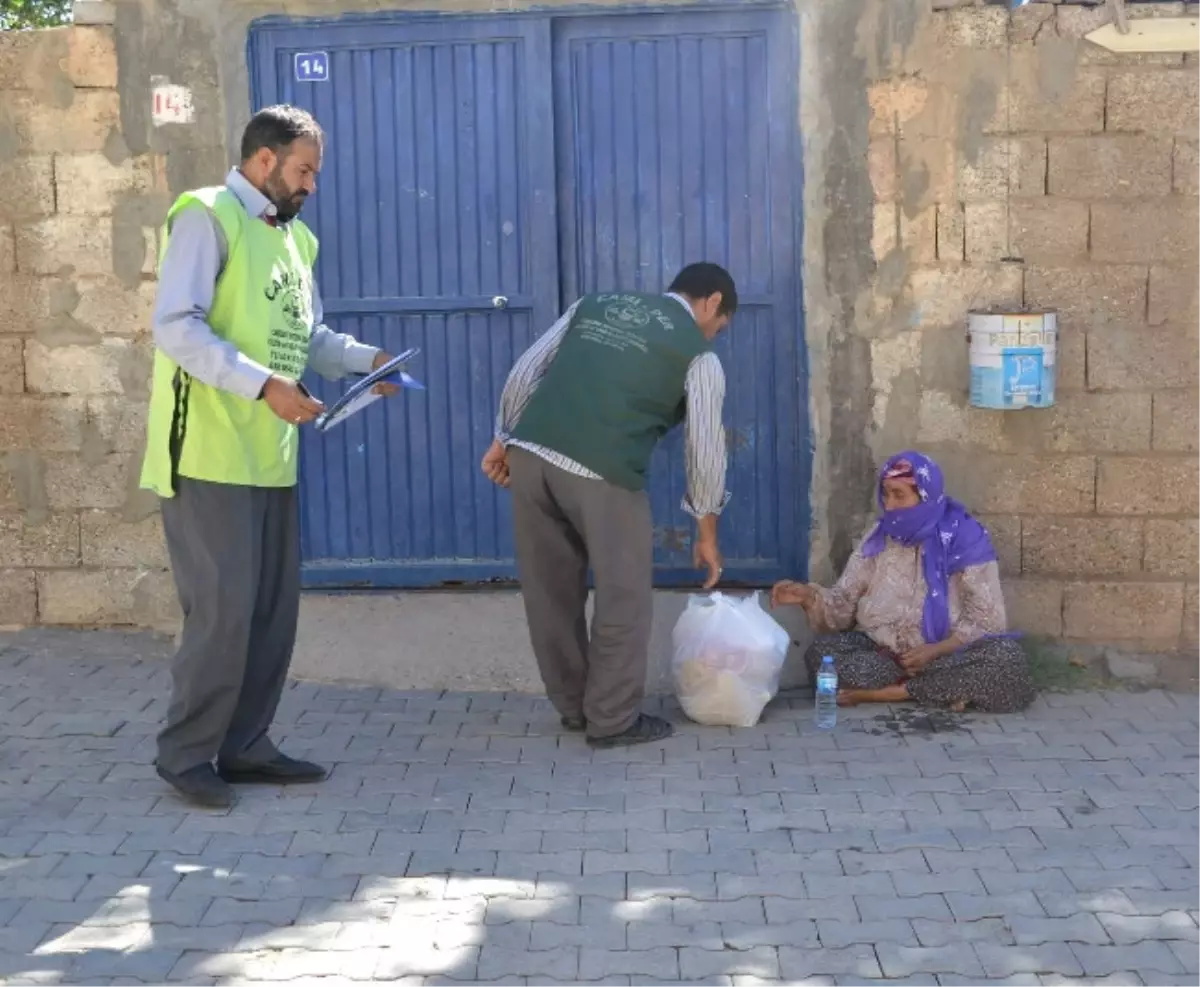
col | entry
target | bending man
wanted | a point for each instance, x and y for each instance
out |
(579, 418)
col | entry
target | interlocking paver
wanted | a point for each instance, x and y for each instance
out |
(1083, 927)
(799, 861)
(739, 862)
(1059, 904)
(1065, 859)
(785, 911)
(553, 842)
(1103, 960)
(1006, 961)
(981, 838)
(738, 935)
(777, 840)
(994, 858)
(855, 862)
(461, 838)
(1097, 879)
(933, 933)
(1173, 878)
(835, 935)
(697, 963)
(423, 959)
(1016, 980)
(641, 841)
(688, 911)
(832, 886)
(1128, 929)
(1123, 979)
(917, 838)
(903, 961)
(281, 912)
(1147, 902)
(856, 961)
(884, 907)
(651, 887)
(917, 980)
(1006, 882)
(662, 962)
(911, 883)
(1187, 955)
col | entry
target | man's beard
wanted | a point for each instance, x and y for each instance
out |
(288, 202)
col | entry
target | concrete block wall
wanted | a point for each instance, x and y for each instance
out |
(79, 544)
(1027, 166)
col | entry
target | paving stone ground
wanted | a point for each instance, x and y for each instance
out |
(465, 838)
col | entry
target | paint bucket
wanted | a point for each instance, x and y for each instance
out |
(1013, 358)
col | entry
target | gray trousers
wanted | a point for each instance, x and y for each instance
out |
(235, 554)
(562, 524)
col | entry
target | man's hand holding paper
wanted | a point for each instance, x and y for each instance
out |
(387, 377)
(385, 387)
(290, 400)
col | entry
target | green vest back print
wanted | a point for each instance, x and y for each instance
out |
(616, 385)
(263, 306)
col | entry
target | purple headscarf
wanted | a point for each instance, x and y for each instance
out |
(952, 540)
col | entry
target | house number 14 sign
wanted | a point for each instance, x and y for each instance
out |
(312, 66)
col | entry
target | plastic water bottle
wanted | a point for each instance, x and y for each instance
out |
(826, 711)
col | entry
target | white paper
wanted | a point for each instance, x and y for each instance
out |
(348, 410)
(363, 392)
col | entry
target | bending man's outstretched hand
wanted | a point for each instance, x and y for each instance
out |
(707, 555)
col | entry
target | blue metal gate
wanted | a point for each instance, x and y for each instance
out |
(674, 145)
(482, 172)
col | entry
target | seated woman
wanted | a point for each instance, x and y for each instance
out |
(918, 611)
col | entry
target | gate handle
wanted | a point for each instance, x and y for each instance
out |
(500, 301)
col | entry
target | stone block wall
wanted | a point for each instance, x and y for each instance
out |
(79, 544)
(1014, 163)
(956, 157)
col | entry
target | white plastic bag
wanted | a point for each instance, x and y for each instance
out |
(727, 656)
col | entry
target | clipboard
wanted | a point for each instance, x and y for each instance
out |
(362, 393)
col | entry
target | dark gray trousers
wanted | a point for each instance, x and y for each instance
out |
(235, 555)
(563, 523)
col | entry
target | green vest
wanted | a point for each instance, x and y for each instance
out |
(616, 385)
(263, 306)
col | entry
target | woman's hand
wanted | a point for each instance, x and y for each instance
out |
(788, 593)
(914, 660)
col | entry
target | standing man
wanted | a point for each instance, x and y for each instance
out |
(580, 416)
(237, 321)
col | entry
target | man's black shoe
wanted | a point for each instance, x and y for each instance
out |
(575, 724)
(280, 770)
(646, 729)
(200, 786)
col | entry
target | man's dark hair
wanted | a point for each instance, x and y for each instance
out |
(703, 280)
(277, 128)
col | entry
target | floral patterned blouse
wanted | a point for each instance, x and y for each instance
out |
(884, 597)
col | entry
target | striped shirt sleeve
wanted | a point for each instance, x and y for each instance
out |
(527, 373)
(704, 437)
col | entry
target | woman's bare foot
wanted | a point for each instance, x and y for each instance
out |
(959, 707)
(889, 694)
